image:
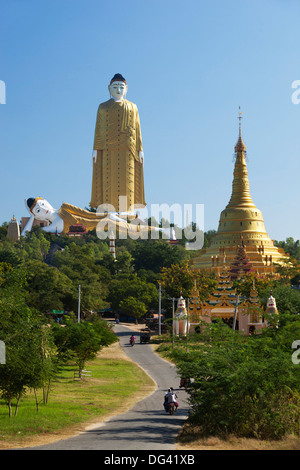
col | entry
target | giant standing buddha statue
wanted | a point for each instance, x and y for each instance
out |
(241, 228)
(118, 152)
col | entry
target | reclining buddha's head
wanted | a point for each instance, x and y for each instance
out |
(40, 208)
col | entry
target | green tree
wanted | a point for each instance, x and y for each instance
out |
(25, 339)
(121, 289)
(153, 255)
(290, 246)
(47, 288)
(181, 278)
(245, 284)
(133, 307)
(3, 231)
(83, 340)
(208, 237)
(9, 256)
(36, 244)
(287, 299)
(82, 265)
(290, 272)
(123, 264)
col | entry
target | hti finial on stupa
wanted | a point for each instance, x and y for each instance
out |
(240, 196)
(240, 146)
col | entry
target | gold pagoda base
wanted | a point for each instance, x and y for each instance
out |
(263, 258)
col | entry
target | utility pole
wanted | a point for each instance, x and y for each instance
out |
(187, 325)
(235, 311)
(173, 323)
(159, 310)
(79, 289)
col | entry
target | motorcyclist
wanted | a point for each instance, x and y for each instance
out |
(132, 339)
(170, 397)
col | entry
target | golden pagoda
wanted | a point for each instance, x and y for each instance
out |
(241, 225)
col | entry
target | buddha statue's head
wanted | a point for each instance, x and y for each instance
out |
(118, 87)
(40, 208)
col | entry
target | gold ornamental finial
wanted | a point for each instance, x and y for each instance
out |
(240, 186)
(240, 146)
(240, 123)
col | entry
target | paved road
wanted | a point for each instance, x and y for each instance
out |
(146, 426)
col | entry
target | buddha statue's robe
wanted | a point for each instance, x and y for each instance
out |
(117, 170)
(72, 215)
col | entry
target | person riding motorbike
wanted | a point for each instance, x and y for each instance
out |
(170, 397)
(132, 340)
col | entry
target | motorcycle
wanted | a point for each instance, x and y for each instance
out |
(171, 408)
(132, 340)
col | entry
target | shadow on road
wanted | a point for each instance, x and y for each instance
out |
(157, 428)
(126, 333)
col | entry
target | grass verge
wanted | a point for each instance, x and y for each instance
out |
(116, 384)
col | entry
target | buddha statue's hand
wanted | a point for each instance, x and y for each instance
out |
(95, 155)
(141, 156)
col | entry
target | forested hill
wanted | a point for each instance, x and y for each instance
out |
(50, 268)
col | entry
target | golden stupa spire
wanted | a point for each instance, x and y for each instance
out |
(241, 230)
(240, 146)
(240, 196)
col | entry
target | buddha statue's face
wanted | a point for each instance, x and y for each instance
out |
(43, 210)
(118, 90)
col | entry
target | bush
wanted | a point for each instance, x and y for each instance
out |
(248, 386)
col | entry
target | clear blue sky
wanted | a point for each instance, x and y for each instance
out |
(189, 65)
